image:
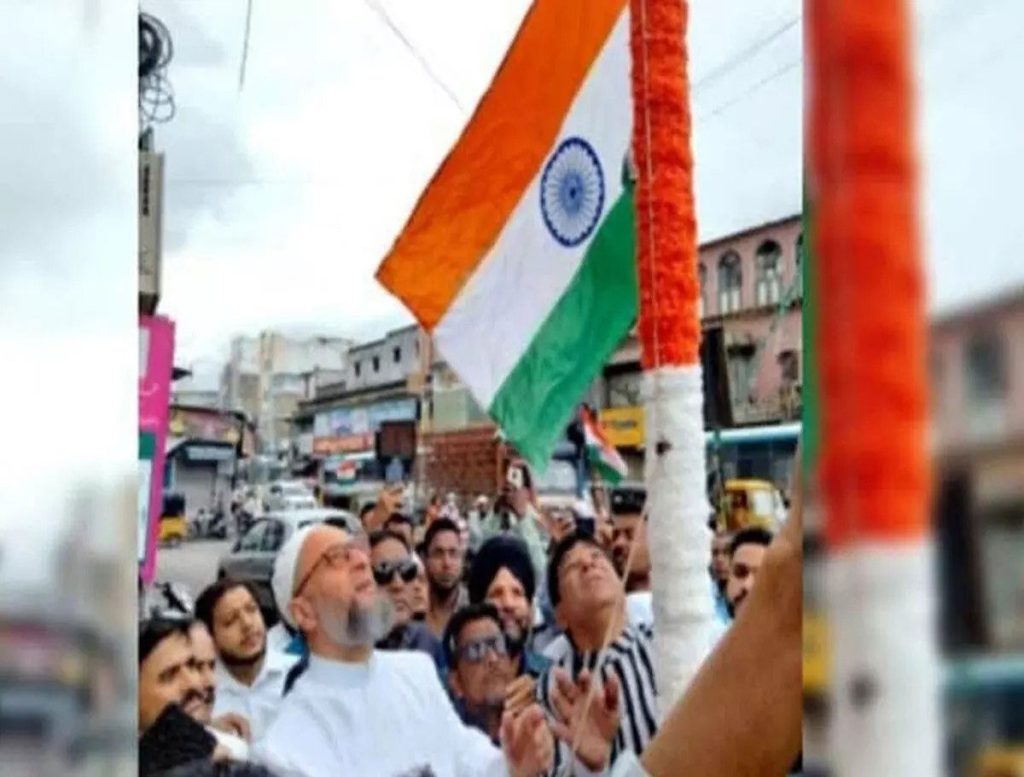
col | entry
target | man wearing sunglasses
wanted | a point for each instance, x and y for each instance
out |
(480, 667)
(395, 571)
(333, 719)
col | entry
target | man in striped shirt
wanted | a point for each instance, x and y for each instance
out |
(590, 606)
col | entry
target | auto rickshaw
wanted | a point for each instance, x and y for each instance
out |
(748, 503)
(173, 522)
(1000, 762)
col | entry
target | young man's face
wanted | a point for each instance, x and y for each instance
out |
(586, 582)
(746, 562)
(444, 561)
(238, 628)
(168, 676)
(631, 530)
(482, 667)
(390, 558)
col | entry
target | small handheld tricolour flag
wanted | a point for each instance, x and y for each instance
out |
(603, 456)
(518, 258)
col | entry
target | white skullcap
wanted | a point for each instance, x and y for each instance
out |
(285, 566)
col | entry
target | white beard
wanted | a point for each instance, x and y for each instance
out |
(360, 626)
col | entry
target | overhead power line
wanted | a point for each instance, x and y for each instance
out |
(745, 54)
(386, 19)
(753, 88)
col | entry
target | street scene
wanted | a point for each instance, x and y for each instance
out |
(524, 387)
(380, 470)
(469, 435)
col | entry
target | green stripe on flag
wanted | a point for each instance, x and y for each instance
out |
(607, 472)
(811, 432)
(537, 399)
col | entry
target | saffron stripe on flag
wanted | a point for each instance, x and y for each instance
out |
(482, 181)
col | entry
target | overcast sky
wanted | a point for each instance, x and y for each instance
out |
(282, 199)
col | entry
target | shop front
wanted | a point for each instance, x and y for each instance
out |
(351, 429)
(201, 471)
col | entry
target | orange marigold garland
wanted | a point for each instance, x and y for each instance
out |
(666, 223)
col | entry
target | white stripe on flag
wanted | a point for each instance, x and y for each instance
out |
(496, 315)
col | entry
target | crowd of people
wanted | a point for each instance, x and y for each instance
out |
(511, 641)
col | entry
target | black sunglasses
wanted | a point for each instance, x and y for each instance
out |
(474, 652)
(385, 571)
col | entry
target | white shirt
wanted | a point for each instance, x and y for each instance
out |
(278, 638)
(387, 717)
(257, 703)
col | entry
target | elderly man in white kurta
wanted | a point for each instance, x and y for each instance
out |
(358, 711)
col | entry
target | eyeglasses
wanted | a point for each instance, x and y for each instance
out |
(385, 571)
(335, 556)
(474, 652)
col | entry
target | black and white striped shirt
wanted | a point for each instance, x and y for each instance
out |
(630, 658)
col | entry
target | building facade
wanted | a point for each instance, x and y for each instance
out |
(268, 376)
(976, 363)
(383, 381)
(196, 391)
(204, 446)
(751, 299)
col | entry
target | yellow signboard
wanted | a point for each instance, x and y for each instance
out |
(623, 426)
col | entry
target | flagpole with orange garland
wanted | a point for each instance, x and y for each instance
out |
(669, 324)
(872, 460)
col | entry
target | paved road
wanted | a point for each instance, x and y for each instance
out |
(192, 564)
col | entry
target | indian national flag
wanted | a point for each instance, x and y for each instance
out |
(602, 454)
(518, 258)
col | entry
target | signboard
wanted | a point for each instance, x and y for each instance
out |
(156, 352)
(209, 453)
(200, 424)
(397, 439)
(328, 446)
(350, 429)
(624, 426)
(347, 471)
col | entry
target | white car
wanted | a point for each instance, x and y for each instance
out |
(291, 503)
(281, 490)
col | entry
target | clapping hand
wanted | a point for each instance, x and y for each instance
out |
(590, 726)
(519, 694)
(527, 742)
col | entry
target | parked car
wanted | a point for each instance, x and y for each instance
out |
(290, 503)
(280, 490)
(252, 557)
